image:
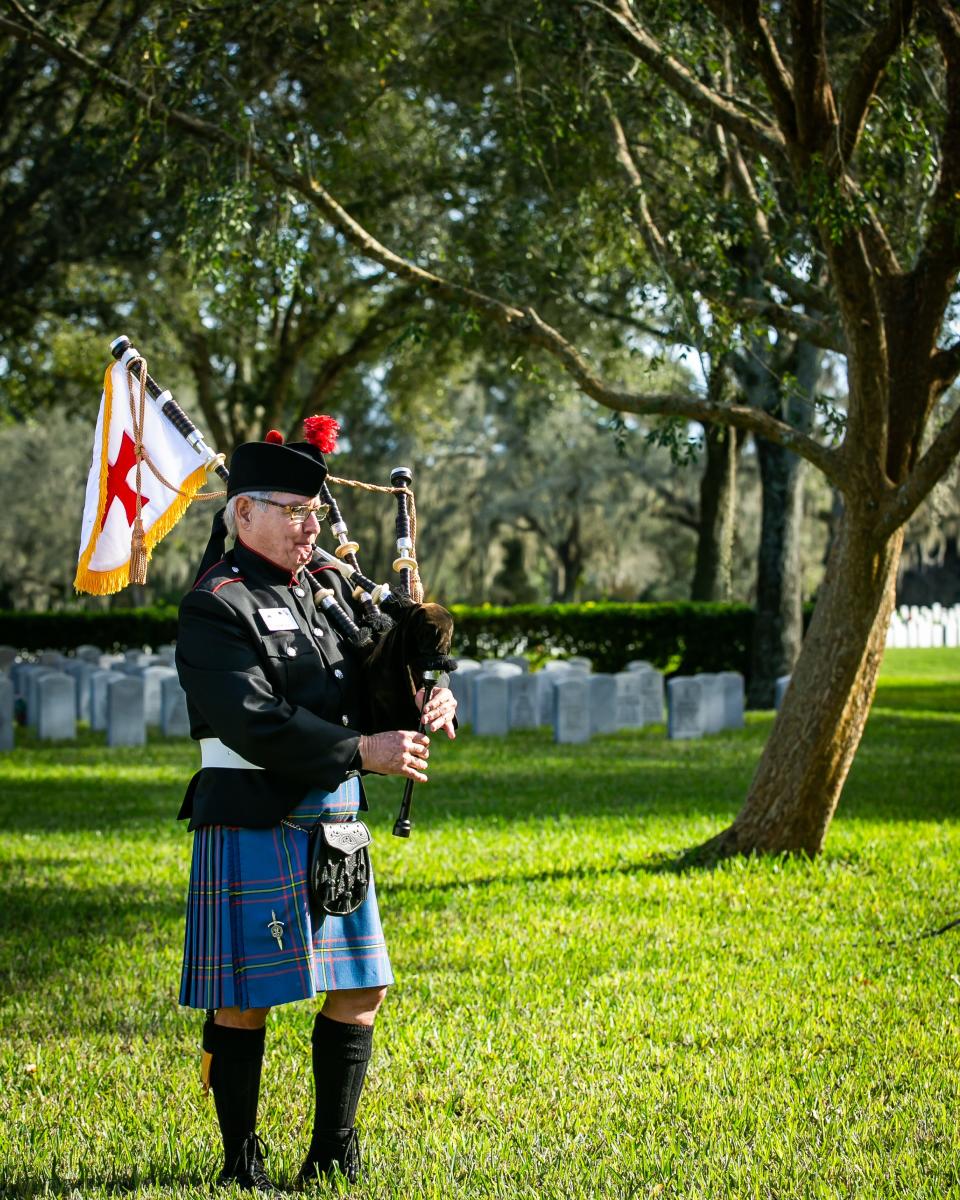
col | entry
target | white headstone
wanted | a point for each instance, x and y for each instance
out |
(88, 653)
(18, 677)
(733, 699)
(686, 717)
(51, 658)
(499, 666)
(99, 686)
(651, 692)
(579, 663)
(8, 656)
(524, 700)
(781, 690)
(31, 695)
(546, 686)
(174, 721)
(462, 687)
(166, 655)
(571, 715)
(80, 671)
(6, 713)
(467, 664)
(629, 700)
(56, 701)
(639, 664)
(125, 712)
(518, 660)
(712, 693)
(603, 703)
(490, 704)
(556, 664)
(153, 677)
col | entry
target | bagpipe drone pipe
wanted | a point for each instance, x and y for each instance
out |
(403, 644)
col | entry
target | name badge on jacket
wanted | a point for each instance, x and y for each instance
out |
(276, 619)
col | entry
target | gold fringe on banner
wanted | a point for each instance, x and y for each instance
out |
(105, 583)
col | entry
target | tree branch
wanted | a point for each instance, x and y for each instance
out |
(945, 366)
(522, 323)
(813, 96)
(656, 242)
(866, 74)
(800, 291)
(758, 134)
(743, 182)
(757, 38)
(934, 464)
(811, 329)
(940, 258)
(635, 322)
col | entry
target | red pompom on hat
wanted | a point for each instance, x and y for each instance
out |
(274, 437)
(321, 431)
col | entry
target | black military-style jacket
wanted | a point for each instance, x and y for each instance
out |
(265, 673)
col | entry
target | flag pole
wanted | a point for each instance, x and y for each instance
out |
(126, 353)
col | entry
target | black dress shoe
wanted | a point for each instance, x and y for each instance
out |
(248, 1171)
(331, 1154)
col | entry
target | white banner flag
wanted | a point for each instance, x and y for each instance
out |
(110, 507)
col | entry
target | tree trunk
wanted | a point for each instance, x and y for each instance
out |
(783, 385)
(569, 554)
(778, 630)
(801, 773)
(713, 573)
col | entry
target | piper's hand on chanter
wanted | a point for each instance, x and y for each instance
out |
(399, 752)
(440, 712)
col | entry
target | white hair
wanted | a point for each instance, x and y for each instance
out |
(230, 512)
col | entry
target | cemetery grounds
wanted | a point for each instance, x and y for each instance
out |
(573, 1016)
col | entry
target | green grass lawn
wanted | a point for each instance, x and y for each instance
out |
(572, 1017)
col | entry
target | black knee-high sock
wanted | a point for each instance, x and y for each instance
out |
(235, 1079)
(340, 1056)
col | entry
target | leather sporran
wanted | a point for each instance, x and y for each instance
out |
(338, 875)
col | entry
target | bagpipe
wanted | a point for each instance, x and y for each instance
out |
(402, 642)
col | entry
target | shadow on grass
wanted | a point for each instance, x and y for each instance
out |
(29, 806)
(47, 930)
(32, 1186)
(654, 864)
(936, 696)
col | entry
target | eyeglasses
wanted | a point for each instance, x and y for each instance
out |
(298, 513)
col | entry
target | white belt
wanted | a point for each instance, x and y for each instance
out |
(213, 753)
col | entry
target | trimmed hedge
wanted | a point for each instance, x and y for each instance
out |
(682, 637)
(110, 630)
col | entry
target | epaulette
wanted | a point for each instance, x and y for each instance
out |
(217, 576)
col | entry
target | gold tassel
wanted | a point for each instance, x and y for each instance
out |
(138, 553)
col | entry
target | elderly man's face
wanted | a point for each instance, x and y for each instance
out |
(286, 540)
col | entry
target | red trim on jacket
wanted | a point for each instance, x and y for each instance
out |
(207, 572)
(224, 582)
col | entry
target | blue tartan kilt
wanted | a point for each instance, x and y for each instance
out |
(250, 941)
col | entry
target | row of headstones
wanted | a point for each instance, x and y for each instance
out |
(924, 628)
(498, 695)
(117, 694)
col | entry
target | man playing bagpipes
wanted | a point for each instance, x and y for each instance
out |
(275, 687)
(301, 674)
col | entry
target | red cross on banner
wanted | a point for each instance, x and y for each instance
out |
(117, 486)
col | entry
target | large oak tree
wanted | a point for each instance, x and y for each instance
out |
(802, 106)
